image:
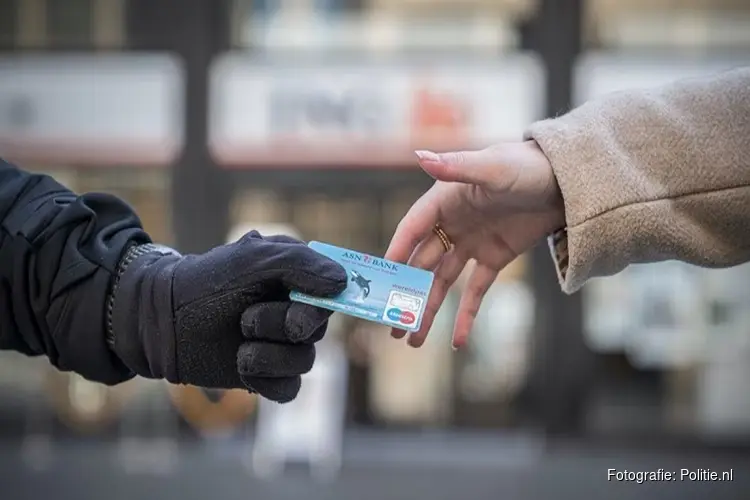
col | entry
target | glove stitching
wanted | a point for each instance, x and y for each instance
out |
(122, 265)
(174, 319)
(259, 277)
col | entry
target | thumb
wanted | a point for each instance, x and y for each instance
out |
(300, 268)
(468, 167)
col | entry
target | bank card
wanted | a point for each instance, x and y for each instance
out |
(377, 290)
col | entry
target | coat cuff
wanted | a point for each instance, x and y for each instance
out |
(558, 245)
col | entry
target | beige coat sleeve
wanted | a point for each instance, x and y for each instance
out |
(653, 175)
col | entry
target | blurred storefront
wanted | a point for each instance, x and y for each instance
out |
(97, 123)
(104, 123)
(208, 116)
(355, 126)
(669, 337)
(674, 335)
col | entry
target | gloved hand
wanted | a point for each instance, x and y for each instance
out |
(223, 319)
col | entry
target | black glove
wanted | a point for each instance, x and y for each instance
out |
(223, 319)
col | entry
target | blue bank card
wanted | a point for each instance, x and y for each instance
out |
(377, 290)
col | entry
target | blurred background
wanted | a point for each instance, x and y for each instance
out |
(301, 116)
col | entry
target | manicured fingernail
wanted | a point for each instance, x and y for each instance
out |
(454, 347)
(427, 155)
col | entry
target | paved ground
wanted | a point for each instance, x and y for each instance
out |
(376, 467)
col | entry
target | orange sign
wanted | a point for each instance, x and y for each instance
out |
(438, 119)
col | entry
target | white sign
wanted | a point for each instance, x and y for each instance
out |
(310, 428)
(367, 114)
(119, 109)
(723, 404)
(668, 330)
(608, 312)
(500, 343)
(602, 73)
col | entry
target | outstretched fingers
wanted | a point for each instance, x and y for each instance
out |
(478, 284)
(445, 276)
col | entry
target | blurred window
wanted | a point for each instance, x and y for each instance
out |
(296, 24)
(62, 24)
(378, 25)
(272, 7)
(147, 20)
(146, 190)
(668, 23)
(509, 7)
(109, 24)
(8, 21)
(31, 23)
(265, 8)
(353, 5)
(70, 22)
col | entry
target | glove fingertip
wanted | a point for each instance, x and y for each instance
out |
(332, 278)
(282, 238)
(339, 276)
(279, 390)
(306, 323)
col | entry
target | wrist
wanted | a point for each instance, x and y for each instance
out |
(131, 308)
(557, 204)
(132, 252)
(552, 194)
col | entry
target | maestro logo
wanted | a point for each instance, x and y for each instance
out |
(403, 317)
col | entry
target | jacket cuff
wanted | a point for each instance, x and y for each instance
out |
(140, 311)
(586, 247)
(558, 245)
(132, 252)
(595, 242)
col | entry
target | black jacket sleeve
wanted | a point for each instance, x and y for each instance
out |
(58, 254)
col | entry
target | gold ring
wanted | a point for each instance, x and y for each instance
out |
(443, 237)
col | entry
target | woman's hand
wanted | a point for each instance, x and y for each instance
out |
(494, 205)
